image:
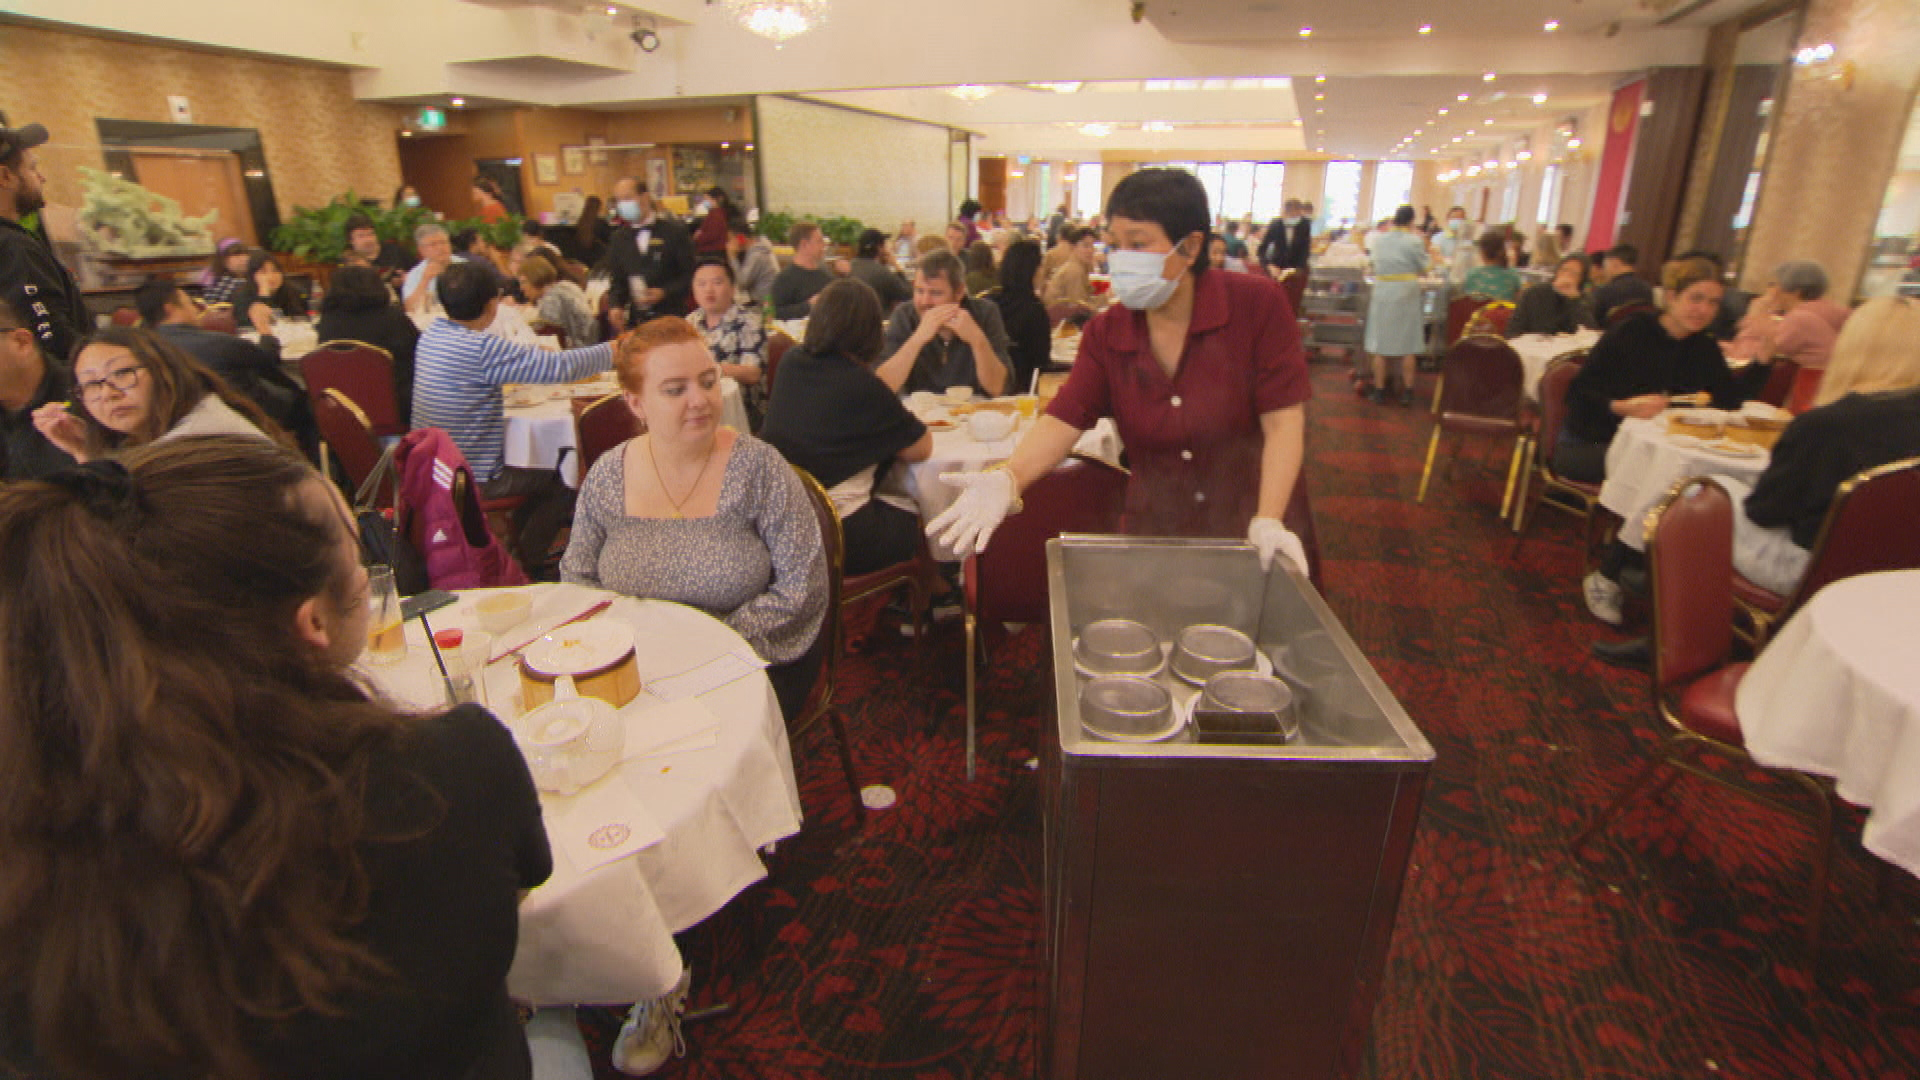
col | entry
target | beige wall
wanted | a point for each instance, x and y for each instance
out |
(1834, 146)
(319, 141)
(824, 160)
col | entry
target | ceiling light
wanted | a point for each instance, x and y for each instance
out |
(1573, 144)
(1552, 25)
(1473, 170)
(1426, 28)
(1156, 126)
(1524, 155)
(778, 20)
(1319, 78)
(1539, 99)
(1488, 77)
(725, 146)
(1096, 131)
(613, 11)
(970, 92)
(1444, 112)
(1489, 164)
(1319, 97)
(1456, 138)
(405, 133)
(1464, 97)
(1056, 87)
(1472, 131)
(1306, 31)
(457, 102)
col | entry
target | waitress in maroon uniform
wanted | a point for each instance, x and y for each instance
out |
(1202, 372)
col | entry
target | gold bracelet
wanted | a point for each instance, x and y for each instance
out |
(1018, 503)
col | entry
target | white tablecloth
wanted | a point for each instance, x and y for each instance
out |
(1837, 693)
(605, 935)
(536, 434)
(957, 451)
(1643, 461)
(1538, 351)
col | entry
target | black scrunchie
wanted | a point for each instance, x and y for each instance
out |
(104, 487)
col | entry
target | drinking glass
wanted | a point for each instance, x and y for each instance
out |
(1027, 405)
(386, 636)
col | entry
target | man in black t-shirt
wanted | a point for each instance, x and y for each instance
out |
(31, 278)
(27, 382)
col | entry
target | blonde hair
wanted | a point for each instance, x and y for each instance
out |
(630, 355)
(538, 272)
(1680, 275)
(1877, 350)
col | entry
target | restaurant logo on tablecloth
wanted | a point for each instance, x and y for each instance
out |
(608, 837)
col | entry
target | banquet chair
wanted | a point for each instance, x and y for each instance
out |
(1482, 388)
(1538, 460)
(600, 425)
(777, 345)
(1007, 583)
(1459, 310)
(1627, 311)
(1806, 387)
(347, 432)
(830, 643)
(363, 373)
(219, 318)
(1492, 318)
(1779, 385)
(1873, 524)
(1689, 542)
(125, 316)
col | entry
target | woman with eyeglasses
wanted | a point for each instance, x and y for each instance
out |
(133, 387)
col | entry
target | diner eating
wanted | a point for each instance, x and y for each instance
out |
(943, 338)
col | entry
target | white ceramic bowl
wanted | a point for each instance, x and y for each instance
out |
(959, 395)
(988, 426)
(502, 611)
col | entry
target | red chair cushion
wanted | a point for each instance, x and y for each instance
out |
(1756, 597)
(1706, 707)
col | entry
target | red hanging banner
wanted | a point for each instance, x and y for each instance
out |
(1616, 158)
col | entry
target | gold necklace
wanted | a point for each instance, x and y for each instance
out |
(678, 503)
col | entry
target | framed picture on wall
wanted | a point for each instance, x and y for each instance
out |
(546, 169)
(573, 159)
(657, 176)
(597, 149)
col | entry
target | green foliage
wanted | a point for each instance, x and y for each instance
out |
(842, 231)
(320, 235)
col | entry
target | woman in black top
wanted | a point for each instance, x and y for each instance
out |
(266, 294)
(832, 416)
(1029, 332)
(1557, 307)
(219, 840)
(360, 308)
(1640, 364)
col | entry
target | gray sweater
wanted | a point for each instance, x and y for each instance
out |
(947, 361)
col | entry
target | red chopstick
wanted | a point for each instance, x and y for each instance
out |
(587, 614)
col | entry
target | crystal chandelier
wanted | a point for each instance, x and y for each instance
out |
(778, 20)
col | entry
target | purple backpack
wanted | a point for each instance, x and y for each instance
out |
(440, 515)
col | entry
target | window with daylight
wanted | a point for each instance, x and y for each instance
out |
(1342, 196)
(1269, 181)
(1549, 195)
(1086, 189)
(1236, 199)
(1510, 199)
(1213, 178)
(1392, 188)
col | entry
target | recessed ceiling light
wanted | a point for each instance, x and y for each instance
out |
(1456, 138)
(1552, 25)
(1444, 112)
(1426, 28)
(1306, 31)
(1319, 78)
(1464, 97)
(457, 102)
(1319, 97)
(1539, 99)
(613, 11)
(1573, 144)
(1488, 77)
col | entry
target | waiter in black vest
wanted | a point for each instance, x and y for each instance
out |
(649, 259)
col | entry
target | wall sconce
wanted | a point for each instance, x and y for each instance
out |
(1819, 62)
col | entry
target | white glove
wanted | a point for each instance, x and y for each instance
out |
(985, 501)
(1268, 537)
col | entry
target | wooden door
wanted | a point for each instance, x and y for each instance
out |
(200, 180)
(993, 184)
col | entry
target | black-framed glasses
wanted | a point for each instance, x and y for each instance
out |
(120, 379)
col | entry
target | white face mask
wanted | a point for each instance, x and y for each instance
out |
(630, 209)
(1138, 280)
(411, 201)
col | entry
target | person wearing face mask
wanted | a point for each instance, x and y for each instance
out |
(649, 260)
(1447, 243)
(1204, 375)
(1288, 245)
(715, 211)
(407, 198)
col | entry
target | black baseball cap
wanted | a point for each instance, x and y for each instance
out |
(15, 140)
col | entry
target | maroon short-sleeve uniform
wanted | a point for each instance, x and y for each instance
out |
(1194, 440)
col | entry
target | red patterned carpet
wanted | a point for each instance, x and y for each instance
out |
(906, 949)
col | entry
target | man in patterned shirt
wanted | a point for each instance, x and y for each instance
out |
(734, 335)
(458, 371)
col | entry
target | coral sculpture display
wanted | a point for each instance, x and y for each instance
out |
(122, 219)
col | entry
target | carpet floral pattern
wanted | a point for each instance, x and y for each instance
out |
(906, 948)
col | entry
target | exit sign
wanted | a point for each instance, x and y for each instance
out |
(431, 120)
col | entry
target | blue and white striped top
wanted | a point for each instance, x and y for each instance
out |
(457, 374)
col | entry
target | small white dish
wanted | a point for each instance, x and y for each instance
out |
(989, 426)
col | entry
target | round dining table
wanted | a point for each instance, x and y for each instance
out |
(1644, 461)
(1539, 351)
(707, 769)
(1837, 693)
(540, 422)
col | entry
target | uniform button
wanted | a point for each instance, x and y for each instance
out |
(1199, 496)
(1186, 455)
(1176, 401)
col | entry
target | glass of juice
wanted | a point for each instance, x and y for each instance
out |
(386, 637)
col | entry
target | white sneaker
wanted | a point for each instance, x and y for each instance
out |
(1603, 598)
(651, 1035)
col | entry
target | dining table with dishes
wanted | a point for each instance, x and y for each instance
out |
(1648, 455)
(540, 429)
(1539, 351)
(971, 435)
(1837, 693)
(661, 755)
